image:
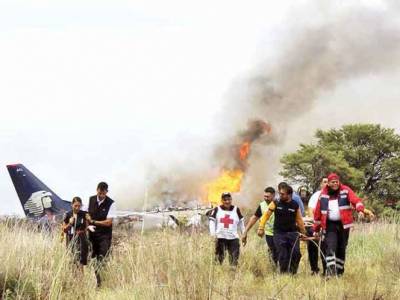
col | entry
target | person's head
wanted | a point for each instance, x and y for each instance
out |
(285, 192)
(102, 189)
(333, 182)
(269, 194)
(226, 199)
(283, 183)
(76, 204)
(303, 193)
(324, 182)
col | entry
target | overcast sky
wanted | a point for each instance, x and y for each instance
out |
(91, 89)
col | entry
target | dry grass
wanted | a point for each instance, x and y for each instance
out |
(171, 265)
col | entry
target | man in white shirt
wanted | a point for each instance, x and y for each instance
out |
(312, 203)
(225, 222)
(312, 248)
(102, 212)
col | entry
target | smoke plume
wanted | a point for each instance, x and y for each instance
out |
(261, 108)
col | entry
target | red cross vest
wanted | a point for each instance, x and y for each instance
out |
(346, 200)
(227, 223)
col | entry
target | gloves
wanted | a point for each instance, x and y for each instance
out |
(91, 228)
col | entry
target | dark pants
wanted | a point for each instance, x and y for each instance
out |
(323, 254)
(313, 252)
(288, 247)
(100, 248)
(272, 252)
(233, 247)
(79, 245)
(336, 238)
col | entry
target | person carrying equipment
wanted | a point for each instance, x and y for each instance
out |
(312, 245)
(333, 215)
(286, 236)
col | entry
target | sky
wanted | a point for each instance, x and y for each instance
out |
(90, 90)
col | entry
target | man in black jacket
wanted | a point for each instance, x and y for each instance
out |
(102, 211)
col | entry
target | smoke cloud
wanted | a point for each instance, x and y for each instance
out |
(262, 108)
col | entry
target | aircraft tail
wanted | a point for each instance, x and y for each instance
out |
(36, 198)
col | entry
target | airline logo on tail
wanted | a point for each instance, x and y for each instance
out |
(38, 202)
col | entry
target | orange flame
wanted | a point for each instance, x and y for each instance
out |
(231, 180)
(244, 150)
(228, 181)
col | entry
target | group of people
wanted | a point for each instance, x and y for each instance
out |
(98, 221)
(322, 220)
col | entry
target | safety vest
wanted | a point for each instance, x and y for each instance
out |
(227, 223)
(269, 226)
(346, 200)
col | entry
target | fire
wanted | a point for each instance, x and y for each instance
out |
(244, 150)
(228, 181)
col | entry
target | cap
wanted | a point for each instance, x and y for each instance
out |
(333, 176)
(225, 194)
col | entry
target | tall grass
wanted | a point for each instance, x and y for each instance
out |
(170, 265)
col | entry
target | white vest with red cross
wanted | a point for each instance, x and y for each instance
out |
(227, 224)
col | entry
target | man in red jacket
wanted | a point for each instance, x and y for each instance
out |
(333, 215)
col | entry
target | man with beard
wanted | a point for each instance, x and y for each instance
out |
(286, 236)
(295, 197)
(333, 214)
(269, 196)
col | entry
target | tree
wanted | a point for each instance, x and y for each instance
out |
(366, 156)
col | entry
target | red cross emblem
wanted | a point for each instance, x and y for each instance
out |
(226, 221)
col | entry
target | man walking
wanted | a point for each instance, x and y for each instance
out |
(102, 211)
(286, 237)
(333, 214)
(225, 221)
(269, 196)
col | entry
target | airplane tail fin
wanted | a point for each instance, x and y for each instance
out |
(35, 197)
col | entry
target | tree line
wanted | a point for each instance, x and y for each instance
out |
(366, 156)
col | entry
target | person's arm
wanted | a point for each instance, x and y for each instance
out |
(68, 222)
(88, 220)
(355, 201)
(212, 222)
(241, 225)
(250, 224)
(212, 226)
(317, 217)
(264, 219)
(253, 219)
(108, 222)
(297, 198)
(241, 221)
(299, 222)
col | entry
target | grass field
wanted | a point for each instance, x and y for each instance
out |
(171, 265)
